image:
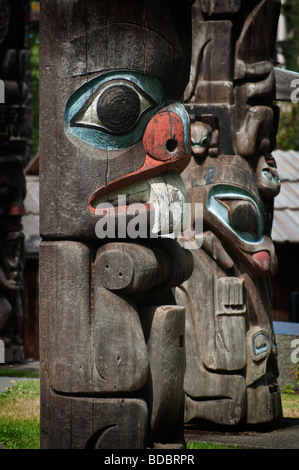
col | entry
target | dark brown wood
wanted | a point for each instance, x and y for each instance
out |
(231, 354)
(118, 266)
(94, 423)
(112, 127)
(164, 330)
(113, 298)
(163, 51)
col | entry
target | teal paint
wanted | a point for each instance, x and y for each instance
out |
(150, 86)
(223, 191)
(263, 339)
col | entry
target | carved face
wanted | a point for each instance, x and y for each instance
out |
(201, 135)
(261, 345)
(118, 103)
(262, 372)
(127, 110)
(233, 208)
(267, 179)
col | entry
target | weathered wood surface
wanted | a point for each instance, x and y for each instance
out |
(163, 265)
(99, 341)
(164, 331)
(112, 337)
(94, 423)
(77, 52)
(112, 126)
(231, 355)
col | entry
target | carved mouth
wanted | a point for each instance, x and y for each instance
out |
(124, 183)
(163, 197)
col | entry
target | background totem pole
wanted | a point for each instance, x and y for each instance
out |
(112, 129)
(231, 369)
(15, 152)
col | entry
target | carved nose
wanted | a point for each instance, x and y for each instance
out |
(167, 139)
(167, 145)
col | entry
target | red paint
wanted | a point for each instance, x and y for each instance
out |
(16, 211)
(262, 261)
(163, 139)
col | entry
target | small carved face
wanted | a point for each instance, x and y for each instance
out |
(261, 375)
(201, 135)
(261, 345)
(267, 178)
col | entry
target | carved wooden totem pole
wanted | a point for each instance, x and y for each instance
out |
(15, 152)
(114, 139)
(231, 369)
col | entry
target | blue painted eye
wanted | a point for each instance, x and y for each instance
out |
(116, 109)
(218, 202)
(205, 140)
(260, 343)
(112, 110)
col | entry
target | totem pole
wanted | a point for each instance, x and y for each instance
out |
(231, 368)
(15, 152)
(114, 138)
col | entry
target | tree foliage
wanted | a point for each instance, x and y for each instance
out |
(288, 132)
(290, 47)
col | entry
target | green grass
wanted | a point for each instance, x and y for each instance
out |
(25, 389)
(203, 445)
(290, 405)
(33, 374)
(19, 416)
(19, 434)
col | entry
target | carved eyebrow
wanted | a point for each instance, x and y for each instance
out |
(83, 105)
(146, 102)
(148, 84)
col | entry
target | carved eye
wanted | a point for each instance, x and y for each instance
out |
(204, 141)
(238, 211)
(112, 110)
(116, 109)
(260, 343)
(243, 215)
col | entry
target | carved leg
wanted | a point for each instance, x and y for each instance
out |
(164, 330)
(109, 377)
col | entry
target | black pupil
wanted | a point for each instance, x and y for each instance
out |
(118, 108)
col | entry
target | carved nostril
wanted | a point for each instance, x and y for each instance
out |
(171, 145)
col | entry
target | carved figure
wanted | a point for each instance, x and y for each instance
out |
(113, 133)
(231, 369)
(15, 151)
